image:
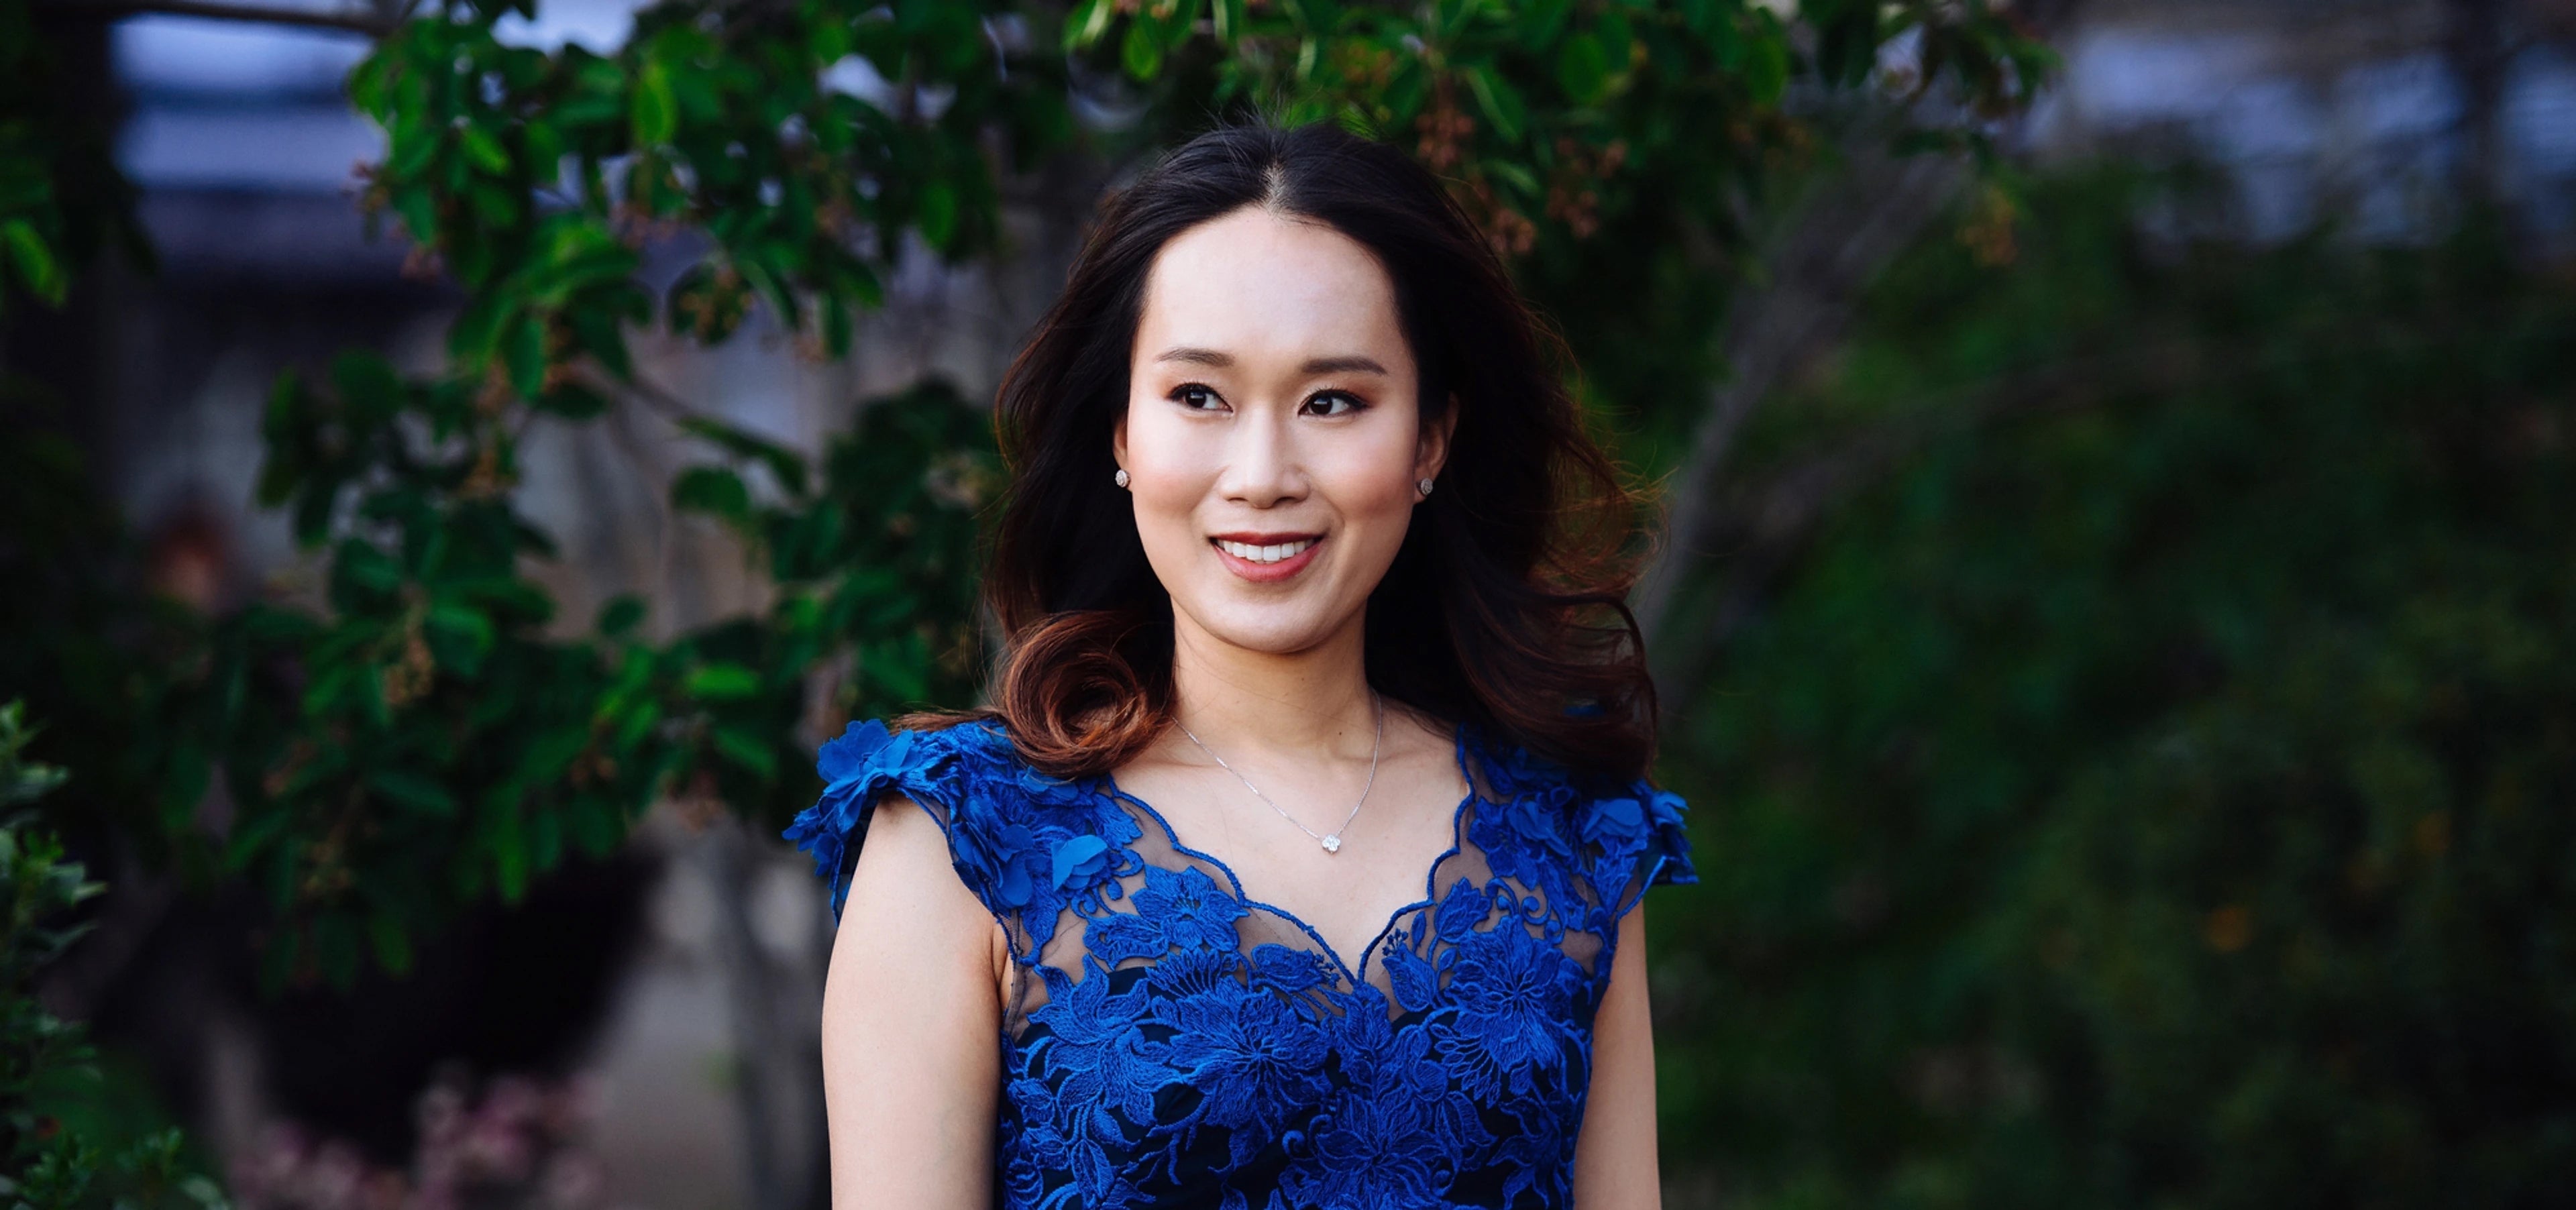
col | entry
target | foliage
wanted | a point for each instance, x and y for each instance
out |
(45, 1162)
(440, 744)
(61, 198)
(2148, 786)
(433, 733)
(1624, 156)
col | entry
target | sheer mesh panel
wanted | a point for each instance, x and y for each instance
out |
(1411, 930)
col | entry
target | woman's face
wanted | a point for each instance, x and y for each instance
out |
(1272, 439)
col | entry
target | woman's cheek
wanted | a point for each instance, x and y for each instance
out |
(1380, 490)
(1166, 513)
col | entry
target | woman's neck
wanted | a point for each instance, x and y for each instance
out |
(1290, 705)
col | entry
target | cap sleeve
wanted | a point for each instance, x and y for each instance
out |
(1644, 843)
(865, 763)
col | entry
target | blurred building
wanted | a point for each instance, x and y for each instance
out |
(2381, 109)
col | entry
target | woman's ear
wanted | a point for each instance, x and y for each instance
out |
(1118, 441)
(1431, 452)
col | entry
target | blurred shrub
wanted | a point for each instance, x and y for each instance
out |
(53, 1155)
(2137, 762)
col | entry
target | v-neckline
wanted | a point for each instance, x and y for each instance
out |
(1430, 876)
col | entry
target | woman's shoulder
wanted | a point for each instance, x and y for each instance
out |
(1556, 814)
(1004, 818)
(966, 766)
(868, 749)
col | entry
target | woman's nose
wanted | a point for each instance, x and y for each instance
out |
(1262, 467)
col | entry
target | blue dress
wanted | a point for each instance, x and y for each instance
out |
(1174, 1042)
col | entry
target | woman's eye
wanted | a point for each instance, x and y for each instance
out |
(1195, 396)
(1333, 403)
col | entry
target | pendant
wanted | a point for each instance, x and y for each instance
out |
(1333, 843)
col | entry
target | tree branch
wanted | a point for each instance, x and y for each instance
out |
(1764, 526)
(371, 25)
(1812, 280)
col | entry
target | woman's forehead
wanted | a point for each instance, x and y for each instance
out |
(1260, 288)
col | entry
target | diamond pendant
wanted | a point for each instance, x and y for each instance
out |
(1333, 843)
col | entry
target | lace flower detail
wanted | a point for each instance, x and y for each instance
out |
(1511, 992)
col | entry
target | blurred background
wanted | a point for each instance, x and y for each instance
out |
(2113, 601)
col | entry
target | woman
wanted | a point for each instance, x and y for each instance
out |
(1295, 863)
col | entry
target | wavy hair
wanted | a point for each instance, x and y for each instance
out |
(1505, 605)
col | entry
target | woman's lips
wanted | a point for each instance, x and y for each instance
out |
(1260, 572)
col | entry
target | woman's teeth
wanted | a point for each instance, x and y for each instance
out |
(1264, 554)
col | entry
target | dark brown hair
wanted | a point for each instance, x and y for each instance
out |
(1504, 607)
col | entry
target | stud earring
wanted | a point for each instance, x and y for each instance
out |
(1120, 477)
(1423, 486)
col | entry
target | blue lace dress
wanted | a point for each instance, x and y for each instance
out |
(1173, 1042)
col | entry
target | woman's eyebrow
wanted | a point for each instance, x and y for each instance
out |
(1343, 365)
(1351, 364)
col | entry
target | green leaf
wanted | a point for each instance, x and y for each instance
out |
(477, 330)
(509, 843)
(1514, 174)
(938, 214)
(1541, 21)
(713, 491)
(363, 565)
(622, 613)
(599, 334)
(523, 350)
(572, 401)
(721, 681)
(366, 83)
(550, 754)
(835, 320)
(459, 635)
(368, 384)
(484, 149)
(785, 464)
(748, 750)
(1088, 22)
(1500, 101)
(597, 828)
(1583, 69)
(1450, 17)
(656, 113)
(412, 791)
(1766, 69)
(1140, 52)
(1180, 24)
(253, 836)
(37, 268)
(1847, 42)
(1230, 21)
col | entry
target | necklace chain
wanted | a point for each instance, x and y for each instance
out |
(1332, 841)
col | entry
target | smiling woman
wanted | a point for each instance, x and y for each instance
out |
(1272, 433)
(1303, 528)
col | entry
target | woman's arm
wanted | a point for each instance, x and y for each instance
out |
(1614, 1159)
(912, 1026)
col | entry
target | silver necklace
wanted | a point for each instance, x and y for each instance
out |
(1332, 841)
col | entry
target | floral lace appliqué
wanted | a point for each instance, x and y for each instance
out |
(1176, 1043)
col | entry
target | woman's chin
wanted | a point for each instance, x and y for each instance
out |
(1268, 630)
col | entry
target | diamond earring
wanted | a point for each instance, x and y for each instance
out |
(1423, 486)
(1120, 477)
